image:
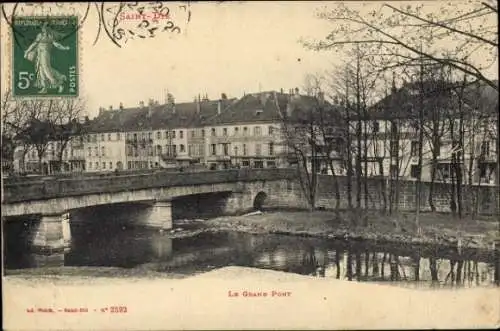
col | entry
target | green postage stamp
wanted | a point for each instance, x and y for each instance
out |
(45, 56)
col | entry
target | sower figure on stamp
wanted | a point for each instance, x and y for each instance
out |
(39, 52)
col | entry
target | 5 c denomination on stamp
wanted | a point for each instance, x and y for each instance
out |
(45, 56)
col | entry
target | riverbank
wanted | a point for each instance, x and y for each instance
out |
(440, 229)
(228, 298)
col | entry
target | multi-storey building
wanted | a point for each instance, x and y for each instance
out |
(70, 159)
(250, 131)
(390, 136)
(220, 134)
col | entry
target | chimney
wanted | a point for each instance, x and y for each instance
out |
(110, 107)
(198, 104)
(121, 106)
(296, 91)
(223, 96)
(281, 90)
(141, 104)
(101, 110)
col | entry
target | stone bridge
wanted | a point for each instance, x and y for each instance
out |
(54, 201)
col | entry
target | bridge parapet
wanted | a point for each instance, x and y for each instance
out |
(56, 188)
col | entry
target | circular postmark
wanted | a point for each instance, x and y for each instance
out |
(126, 21)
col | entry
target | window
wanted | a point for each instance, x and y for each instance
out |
(482, 170)
(394, 128)
(226, 149)
(150, 151)
(213, 149)
(485, 149)
(203, 133)
(118, 137)
(244, 149)
(158, 150)
(129, 164)
(174, 150)
(258, 164)
(135, 136)
(394, 148)
(193, 133)
(443, 170)
(173, 134)
(245, 131)
(213, 132)
(245, 163)
(94, 138)
(181, 134)
(224, 132)
(165, 135)
(190, 150)
(109, 136)
(89, 152)
(235, 150)
(96, 151)
(414, 148)
(271, 164)
(103, 152)
(182, 148)
(271, 148)
(102, 136)
(110, 165)
(257, 149)
(376, 127)
(414, 171)
(200, 149)
(158, 135)
(104, 165)
(97, 165)
(394, 170)
(256, 131)
(236, 131)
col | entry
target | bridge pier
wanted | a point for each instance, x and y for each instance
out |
(159, 215)
(53, 233)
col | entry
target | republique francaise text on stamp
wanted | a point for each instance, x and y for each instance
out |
(45, 56)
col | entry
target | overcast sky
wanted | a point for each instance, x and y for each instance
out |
(229, 47)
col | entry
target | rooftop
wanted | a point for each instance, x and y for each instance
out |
(155, 116)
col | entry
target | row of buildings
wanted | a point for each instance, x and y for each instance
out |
(249, 132)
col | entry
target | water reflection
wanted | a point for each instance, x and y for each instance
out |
(119, 246)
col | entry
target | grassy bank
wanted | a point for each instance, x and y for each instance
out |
(435, 228)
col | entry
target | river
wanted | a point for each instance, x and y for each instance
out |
(101, 244)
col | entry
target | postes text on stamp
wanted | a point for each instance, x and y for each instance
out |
(45, 56)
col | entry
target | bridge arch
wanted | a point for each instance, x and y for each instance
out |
(259, 200)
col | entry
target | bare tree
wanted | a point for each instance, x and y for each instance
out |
(444, 33)
(66, 125)
(35, 123)
(299, 137)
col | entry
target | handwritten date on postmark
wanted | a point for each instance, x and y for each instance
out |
(120, 22)
(139, 20)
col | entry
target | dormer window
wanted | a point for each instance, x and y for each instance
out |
(258, 112)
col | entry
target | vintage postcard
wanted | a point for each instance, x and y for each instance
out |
(250, 165)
